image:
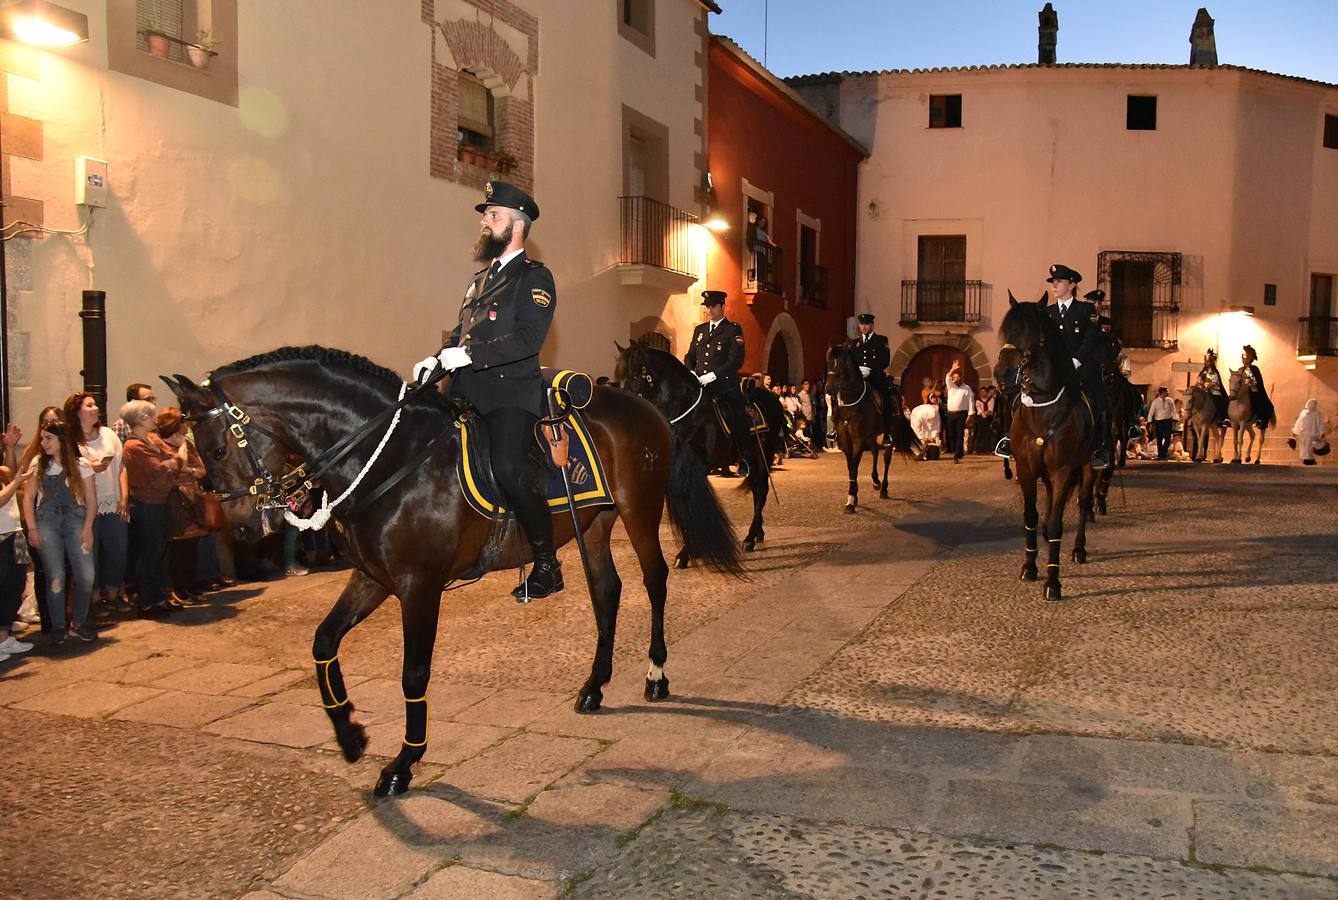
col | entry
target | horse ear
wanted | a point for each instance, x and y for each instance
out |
(619, 347)
(1012, 301)
(171, 384)
(186, 391)
(1045, 298)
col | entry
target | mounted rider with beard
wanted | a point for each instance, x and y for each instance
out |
(494, 353)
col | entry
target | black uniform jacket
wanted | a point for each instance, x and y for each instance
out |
(719, 351)
(504, 326)
(875, 354)
(1082, 335)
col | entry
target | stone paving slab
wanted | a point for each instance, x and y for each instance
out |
(513, 707)
(277, 723)
(87, 699)
(214, 677)
(448, 743)
(180, 710)
(520, 767)
(271, 685)
(459, 882)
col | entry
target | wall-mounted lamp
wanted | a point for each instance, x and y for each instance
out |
(38, 23)
(716, 223)
(1243, 310)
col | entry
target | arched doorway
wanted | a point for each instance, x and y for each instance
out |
(934, 362)
(778, 366)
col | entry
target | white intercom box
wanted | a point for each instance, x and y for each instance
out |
(90, 181)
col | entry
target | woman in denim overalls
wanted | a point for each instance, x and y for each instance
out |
(59, 508)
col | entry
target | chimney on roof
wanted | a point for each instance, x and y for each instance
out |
(1049, 31)
(1202, 43)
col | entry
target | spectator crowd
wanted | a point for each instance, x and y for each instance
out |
(99, 522)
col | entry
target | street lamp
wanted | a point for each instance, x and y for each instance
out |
(38, 23)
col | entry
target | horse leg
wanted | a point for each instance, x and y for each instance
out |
(852, 472)
(1089, 480)
(360, 597)
(1220, 434)
(605, 600)
(420, 603)
(1101, 490)
(645, 538)
(873, 469)
(1029, 519)
(887, 464)
(1259, 455)
(759, 484)
(1054, 532)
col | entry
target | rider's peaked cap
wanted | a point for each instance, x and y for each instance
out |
(499, 193)
(711, 298)
(865, 318)
(1059, 270)
(1095, 296)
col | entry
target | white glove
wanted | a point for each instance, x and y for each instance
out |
(453, 358)
(425, 368)
(1077, 363)
(706, 379)
(865, 370)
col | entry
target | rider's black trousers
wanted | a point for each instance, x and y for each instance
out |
(518, 467)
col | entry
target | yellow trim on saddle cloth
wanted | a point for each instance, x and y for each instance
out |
(598, 494)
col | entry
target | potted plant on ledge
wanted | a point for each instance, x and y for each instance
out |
(202, 50)
(160, 43)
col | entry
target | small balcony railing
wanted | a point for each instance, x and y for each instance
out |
(813, 286)
(1318, 337)
(763, 274)
(655, 234)
(940, 301)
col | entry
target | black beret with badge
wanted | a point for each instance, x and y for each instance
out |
(500, 193)
(1060, 271)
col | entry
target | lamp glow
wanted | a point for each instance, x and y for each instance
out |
(41, 24)
(716, 223)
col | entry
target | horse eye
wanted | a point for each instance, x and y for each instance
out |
(219, 453)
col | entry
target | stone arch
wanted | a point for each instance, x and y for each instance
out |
(980, 361)
(783, 328)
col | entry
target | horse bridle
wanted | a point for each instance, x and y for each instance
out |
(649, 379)
(864, 385)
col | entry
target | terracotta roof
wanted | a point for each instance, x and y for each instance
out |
(827, 77)
(788, 92)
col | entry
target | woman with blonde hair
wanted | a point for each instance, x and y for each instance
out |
(59, 508)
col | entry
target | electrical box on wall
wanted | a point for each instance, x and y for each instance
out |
(90, 181)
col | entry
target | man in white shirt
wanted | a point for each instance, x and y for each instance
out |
(1161, 413)
(961, 400)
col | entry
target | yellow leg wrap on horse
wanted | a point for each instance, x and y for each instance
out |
(415, 721)
(330, 681)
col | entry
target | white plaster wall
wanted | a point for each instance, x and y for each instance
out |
(307, 213)
(1043, 170)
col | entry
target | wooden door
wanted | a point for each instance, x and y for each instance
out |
(934, 363)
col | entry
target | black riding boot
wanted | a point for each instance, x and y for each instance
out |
(1101, 438)
(545, 578)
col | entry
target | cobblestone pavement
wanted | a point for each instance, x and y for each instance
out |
(882, 709)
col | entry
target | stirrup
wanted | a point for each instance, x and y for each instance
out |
(1004, 449)
(1104, 464)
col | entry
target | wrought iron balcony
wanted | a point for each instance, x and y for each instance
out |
(813, 286)
(940, 301)
(1318, 337)
(655, 234)
(763, 276)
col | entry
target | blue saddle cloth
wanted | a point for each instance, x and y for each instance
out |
(589, 484)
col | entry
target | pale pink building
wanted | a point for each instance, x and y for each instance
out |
(1202, 199)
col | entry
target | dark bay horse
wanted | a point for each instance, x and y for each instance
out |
(1051, 432)
(699, 442)
(413, 539)
(858, 421)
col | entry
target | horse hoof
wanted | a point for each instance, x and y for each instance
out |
(589, 701)
(392, 783)
(749, 546)
(353, 742)
(1052, 592)
(1080, 556)
(681, 562)
(1028, 574)
(1235, 462)
(657, 690)
(850, 510)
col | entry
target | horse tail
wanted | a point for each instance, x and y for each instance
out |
(904, 439)
(695, 513)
